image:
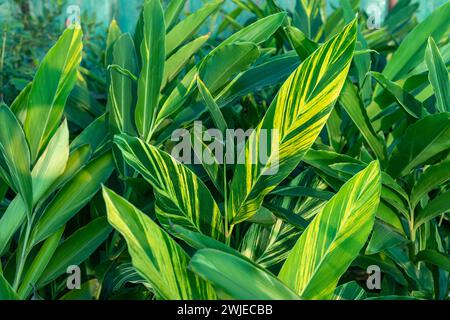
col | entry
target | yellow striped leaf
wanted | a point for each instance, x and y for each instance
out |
(155, 255)
(297, 115)
(334, 238)
(181, 197)
(153, 53)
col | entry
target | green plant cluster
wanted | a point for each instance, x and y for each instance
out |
(88, 179)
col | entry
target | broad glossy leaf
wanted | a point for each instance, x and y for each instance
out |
(73, 196)
(334, 238)
(52, 163)
(155, 255)
(181, 197)
(296, 116)
(15, 153)
(51, 86)
(90, 290)
(212, 107)
(438, 76)
(421, 141)
(349, 98)
(153, 54)
(239, 278)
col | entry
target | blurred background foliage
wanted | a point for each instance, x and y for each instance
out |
(29, 27)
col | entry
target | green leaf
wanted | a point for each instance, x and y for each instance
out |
(431, 178)
(349, 98)
(179, 59)
(156, 256)
(421, 141)
(114, 33)
(172, 12)
(39, 263)
(72, 197)
(349, 291)
(52, 163)
(440, 260)
(412, 48)
(384, 237)
(434, 208)
(239, 278)
(6, 291)
(212, 106)
(181, 197)
(76, 248)
(187, 27)
(438, 76)
(153, 56)
(121, 102)
(51, 86)
(293, 121)
(199, 241)
(403, 98)
(334, 238)
(227, 61)
(256, 33)
(15, 152)
(90, 290)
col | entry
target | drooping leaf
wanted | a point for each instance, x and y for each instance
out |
(156, 256)
(239, 278)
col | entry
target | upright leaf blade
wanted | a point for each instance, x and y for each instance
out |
(334, 238)
(438, 76)
(15, 152)
(51, 86)
(153, 56)
(297, 116)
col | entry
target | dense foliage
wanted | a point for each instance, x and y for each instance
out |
(88, 176)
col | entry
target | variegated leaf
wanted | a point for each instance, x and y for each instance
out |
(181, 197)
(334, 238)
(296, 116)
(155, 255)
